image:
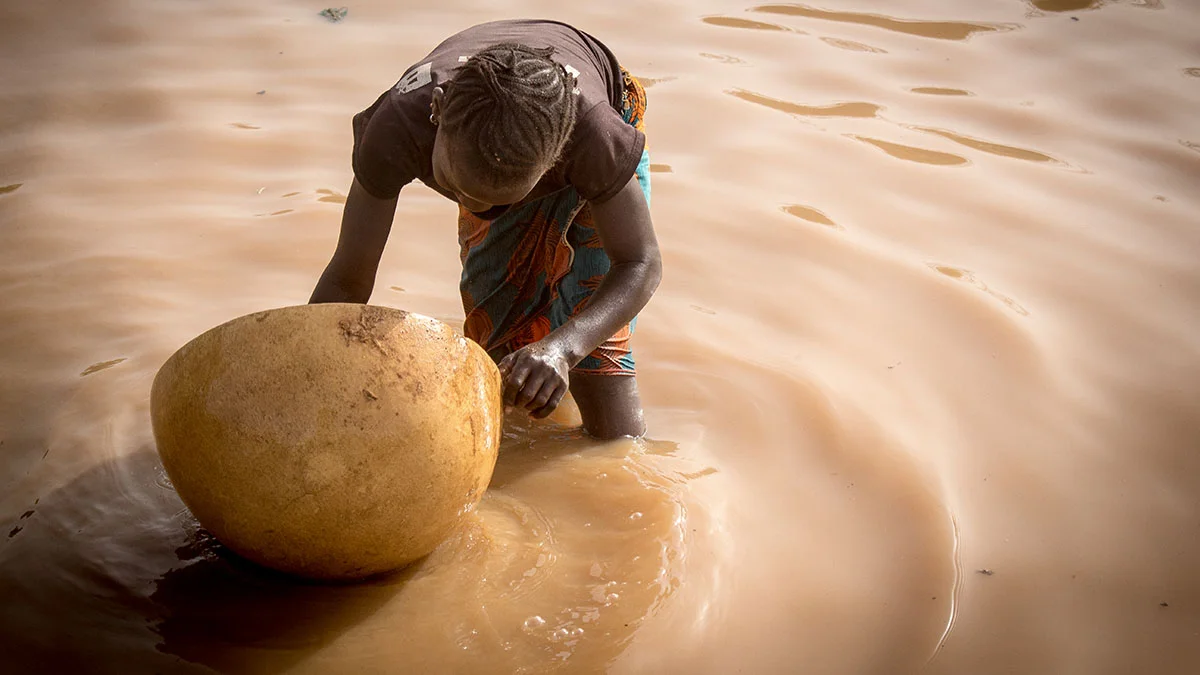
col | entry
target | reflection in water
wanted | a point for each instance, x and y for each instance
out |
(912, 154)
(940, 91)
(734, 22)
(955, 589)
(968, 277)
(850, 109)
(810, 214)
(851, 45)
(97, 367)
(77, 579)
(222, 612)
(941, 30)
(992, 148)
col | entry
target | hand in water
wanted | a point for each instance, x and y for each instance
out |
(535, 378)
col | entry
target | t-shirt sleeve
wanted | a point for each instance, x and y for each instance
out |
(603, 154)
(383, 156)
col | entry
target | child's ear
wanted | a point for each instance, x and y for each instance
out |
(435, 104)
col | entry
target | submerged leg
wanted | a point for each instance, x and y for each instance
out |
(609, 405)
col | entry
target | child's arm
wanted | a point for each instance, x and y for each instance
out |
(535, 377)
(350, 275)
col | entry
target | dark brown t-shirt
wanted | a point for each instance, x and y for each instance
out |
(393, 139)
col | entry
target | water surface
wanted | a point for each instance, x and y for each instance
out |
(922, 376)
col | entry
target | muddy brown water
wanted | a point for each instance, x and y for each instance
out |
(923, 377)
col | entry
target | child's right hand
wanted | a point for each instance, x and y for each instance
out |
(535, 378)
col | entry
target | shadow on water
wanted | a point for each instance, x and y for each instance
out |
(110, 573)
(230, 615)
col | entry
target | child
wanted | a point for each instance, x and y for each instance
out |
(536, 131)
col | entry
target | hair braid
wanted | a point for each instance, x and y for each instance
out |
(515, 104)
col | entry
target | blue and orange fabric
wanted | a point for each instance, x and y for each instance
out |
(534, 267)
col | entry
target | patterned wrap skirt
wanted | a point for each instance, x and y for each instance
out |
(534, 267)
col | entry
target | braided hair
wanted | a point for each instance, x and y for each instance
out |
(514, 105)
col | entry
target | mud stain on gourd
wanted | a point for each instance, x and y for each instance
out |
(365, 329)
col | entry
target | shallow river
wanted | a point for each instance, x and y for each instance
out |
(923, 376)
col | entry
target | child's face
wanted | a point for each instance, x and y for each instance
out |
(459, 170)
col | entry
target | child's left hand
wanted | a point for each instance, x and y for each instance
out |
(535, 378)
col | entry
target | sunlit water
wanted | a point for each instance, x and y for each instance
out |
(922, 377)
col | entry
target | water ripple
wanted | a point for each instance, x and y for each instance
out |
(846, 109)
(968, 277)
(989, 147)
(940, 91)
(810, 214)
(938, 30)
(734, 22)
(914, 154)
(851, 45)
